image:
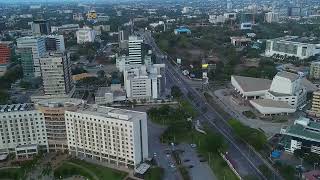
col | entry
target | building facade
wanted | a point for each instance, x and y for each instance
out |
(271, 17)
(301, 48)
(22, 128)
(314, 70)
(85, 35)
(53, 111)
(143, 82)
(56, 74)
(111, 135)
(55, 43)
(135, 52)
(315, 108)
(38, 48)
(40, 27)
(303, 134)
(4, 54)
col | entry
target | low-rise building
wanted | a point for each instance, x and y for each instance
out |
(303, 133)
(109, 135)
(109, 95)
(65, 28)
(22, 130)
(300, 47)
(182, 30)
(240, 40)
(284, 94)
(215, 19)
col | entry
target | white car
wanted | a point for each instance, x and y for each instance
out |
(193, 145)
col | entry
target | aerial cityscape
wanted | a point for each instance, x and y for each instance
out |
(160, 90)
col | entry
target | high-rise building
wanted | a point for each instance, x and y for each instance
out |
(40, 27)
(85, 34)
(271, 17)
(110, 135)
(55, 43)
(53, 111)
(143, 82)
(56, 73)
(4, 53)
(315, 108)
(314, 70)
(27, 63)
(38, 48)
(135, 55)
(22, 130)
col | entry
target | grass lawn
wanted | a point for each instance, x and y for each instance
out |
(154, 174)
(88, 170)
(12, 173)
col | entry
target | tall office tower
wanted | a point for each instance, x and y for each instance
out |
(4, 53)
(53, 111)
(229, 5)
(40, 27)
(38, 48)
(55, 43)
(143, 82)
(22, 130)
(26, 62)
(123, 39)
(56, 73)
(111, 135)
(135, 56)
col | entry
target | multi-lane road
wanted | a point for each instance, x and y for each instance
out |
(247, 160)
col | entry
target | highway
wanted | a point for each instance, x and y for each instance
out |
(246, 158)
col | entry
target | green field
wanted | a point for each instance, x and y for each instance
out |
(88, 170)
(12, 173)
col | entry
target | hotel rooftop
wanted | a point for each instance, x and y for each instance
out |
(109, 112)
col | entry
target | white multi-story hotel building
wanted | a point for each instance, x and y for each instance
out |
(135, 54)
(143, 82)
(85, 34)
(53, 111)
(22, 130)
(293, 46)
(56, 73)
(110, 135)
(38, 47)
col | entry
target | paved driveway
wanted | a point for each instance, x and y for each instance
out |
(200, 170)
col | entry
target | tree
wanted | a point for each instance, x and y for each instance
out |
(176, 92)
(4, 97)
(101, 74)
(78, 70)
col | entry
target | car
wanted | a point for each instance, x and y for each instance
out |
(193, 145)
(186, 160)
(172, 166)
(154, 154)
(168, 155)
(190, 166)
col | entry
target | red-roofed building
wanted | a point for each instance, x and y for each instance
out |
(4, 54)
